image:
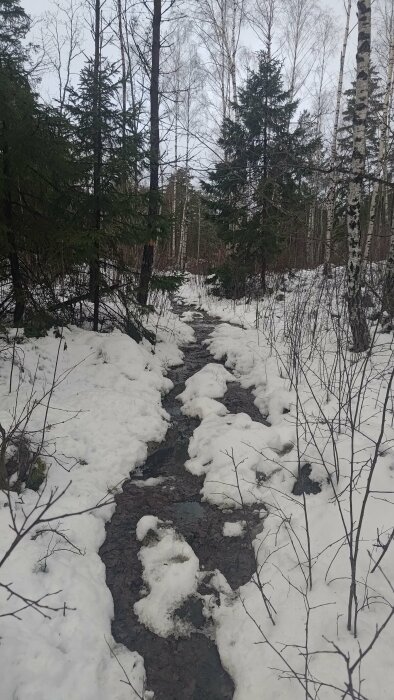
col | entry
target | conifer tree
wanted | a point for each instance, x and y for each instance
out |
(108, 153)
(264, 170)
(15, 101)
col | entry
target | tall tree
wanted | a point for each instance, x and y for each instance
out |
(16, 100)
(381, 166)
(325, 33)
(252, 191)
(154, 158)
(94, 273)
(357, 318)
(220, 25)
(299, 39)
(334, 145)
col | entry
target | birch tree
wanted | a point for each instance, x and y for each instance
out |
(334, 146)
(383, 149)
(325, 34)
(299, 39)
(183, 230)
(262, 18)
(62, 44)
(357, 318)
(220, 24)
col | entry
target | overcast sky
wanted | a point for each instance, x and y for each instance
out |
(48, 86)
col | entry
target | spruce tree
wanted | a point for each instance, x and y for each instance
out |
(16, 104)
(109, 210)
(263, 172)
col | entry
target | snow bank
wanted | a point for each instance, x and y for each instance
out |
(202, 388)
(291, 350)
(104, 410)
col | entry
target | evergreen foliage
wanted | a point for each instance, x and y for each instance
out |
(263, 179)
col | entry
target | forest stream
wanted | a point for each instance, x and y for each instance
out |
(183, 668)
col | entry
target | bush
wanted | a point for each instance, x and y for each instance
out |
(38, 324)
(231, 280)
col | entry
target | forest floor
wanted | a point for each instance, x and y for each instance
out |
(226, 549)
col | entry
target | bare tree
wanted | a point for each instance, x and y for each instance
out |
(357, 318)
(62, 43)
(220, 24)
(299, 40)
(334, 144)
(154, 157)
(262, 16)
(122, 46)
(323, 51)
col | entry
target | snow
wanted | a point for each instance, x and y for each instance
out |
(149, 523)
(170, 571)
(293, 354)
(235, 455)
(236, 529)
(105, 408)
(202, 388)
(248, 464)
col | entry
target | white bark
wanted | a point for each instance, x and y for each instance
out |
(334, 144)
(325, 33)
(383, 143)
(175, 188)
(184, 228)
(357, 318)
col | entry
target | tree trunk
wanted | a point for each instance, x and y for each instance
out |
(333, 156)
(94, 280)
(310, 234)
(382, 157)
(388, 283)
(357, 318)
(13, 254)
(124, 71)
(184, 231)
(175, 188)
(154, 203)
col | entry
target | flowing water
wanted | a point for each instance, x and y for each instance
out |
(184, 668)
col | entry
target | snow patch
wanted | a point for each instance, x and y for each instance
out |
(236, 529)
(170, 572)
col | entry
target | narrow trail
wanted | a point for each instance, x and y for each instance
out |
(184, 668)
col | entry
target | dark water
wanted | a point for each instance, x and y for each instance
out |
(184, 668)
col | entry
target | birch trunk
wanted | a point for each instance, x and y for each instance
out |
(382, 157)
(357, 319)
(333, 155)
(175, 188)
(183, 232)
